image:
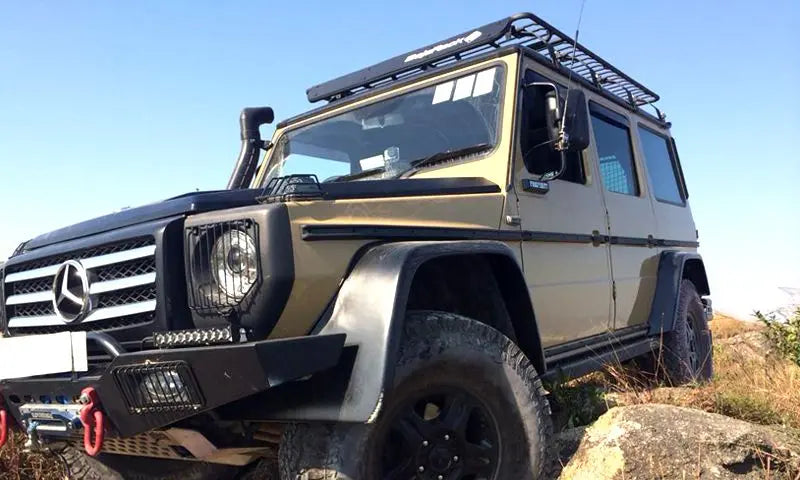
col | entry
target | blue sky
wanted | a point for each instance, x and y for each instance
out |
(109, 104)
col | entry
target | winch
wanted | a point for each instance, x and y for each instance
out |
(62, 420)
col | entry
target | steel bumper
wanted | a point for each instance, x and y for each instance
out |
(187, 381)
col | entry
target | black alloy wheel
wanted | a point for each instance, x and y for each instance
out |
(444, 435)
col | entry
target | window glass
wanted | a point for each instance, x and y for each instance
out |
(660, 167)
(386, 138)
(615, 156)
(537, 154)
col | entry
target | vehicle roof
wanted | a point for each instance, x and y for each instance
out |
(523, 32)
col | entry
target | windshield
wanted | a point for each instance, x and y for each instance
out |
(455, 119)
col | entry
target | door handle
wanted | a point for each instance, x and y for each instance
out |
(513, 220)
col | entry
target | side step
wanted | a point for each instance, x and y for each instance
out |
(584, 359)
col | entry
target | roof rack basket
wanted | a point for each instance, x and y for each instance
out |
(522, 29)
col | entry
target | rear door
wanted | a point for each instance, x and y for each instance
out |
(631, 221)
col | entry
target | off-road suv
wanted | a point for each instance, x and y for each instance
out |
(382, 292)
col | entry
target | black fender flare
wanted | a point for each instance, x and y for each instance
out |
(674, 266)
(371, 307)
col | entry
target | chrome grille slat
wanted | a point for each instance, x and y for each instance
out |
(122, 287)
(30, 298)
(121, 283)
(88, 263)
(96, 315)
(31, 274)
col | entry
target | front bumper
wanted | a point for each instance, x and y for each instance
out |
(197, 379)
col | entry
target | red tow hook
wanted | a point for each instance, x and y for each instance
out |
(3, 424)
(93, 421)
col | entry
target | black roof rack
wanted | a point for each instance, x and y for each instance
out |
(523, 29)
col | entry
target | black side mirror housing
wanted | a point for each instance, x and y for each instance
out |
(576, 122)
(552, 109)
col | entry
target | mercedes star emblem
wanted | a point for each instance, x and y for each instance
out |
(71, 300)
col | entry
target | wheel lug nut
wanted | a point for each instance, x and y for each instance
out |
(455, 458)
(447, 437)
(440, 477)
(424, 443)
(421, 468)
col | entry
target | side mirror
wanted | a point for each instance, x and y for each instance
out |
(576, 122)
(552, 109)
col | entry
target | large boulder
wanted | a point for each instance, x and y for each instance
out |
(665, 442)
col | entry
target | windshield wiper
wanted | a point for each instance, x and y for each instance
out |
(356, 175)
(442, 156)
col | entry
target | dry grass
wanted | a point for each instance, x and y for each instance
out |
(17, 465)
(725, 327)
(750, 382)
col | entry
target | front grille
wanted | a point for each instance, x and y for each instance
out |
(33, 286)
(122, 286)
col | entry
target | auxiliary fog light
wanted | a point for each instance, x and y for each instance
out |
(192, 338)
(153, 387)
(163, 388)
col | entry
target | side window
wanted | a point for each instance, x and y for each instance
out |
(614, 152)
(538, 156)
(660, 166)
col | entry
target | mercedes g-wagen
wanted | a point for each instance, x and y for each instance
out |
(383, 286)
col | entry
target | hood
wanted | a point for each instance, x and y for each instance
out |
(187, 204)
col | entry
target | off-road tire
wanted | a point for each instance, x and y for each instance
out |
(675, 357)
(438, 350)
(121, 467)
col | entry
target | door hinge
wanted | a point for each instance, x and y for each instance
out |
(613, 290)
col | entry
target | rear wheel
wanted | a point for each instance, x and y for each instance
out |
(686, 354)
(466, 405)
(122, 467)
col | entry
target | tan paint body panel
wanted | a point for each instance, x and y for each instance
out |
(321, 265)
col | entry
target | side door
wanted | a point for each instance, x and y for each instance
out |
(631, 221)
(568, 275)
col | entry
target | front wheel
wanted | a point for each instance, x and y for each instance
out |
(466, 405)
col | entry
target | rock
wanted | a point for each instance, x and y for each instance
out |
(665, 442)
(748, 346)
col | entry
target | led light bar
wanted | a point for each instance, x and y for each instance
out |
(195, 337)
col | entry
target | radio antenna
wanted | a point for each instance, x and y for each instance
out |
(562, 141)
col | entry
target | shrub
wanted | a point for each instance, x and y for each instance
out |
(784, 332)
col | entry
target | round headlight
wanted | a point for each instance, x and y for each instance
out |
(234, 263)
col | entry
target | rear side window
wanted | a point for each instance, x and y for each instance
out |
(660, 167)
(614, 155)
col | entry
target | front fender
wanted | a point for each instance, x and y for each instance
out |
(371, 308)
